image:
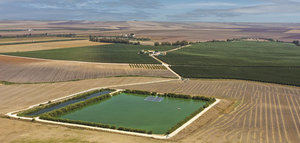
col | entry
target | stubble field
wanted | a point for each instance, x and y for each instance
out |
(262, 112)
(24, 70)
(47, 46)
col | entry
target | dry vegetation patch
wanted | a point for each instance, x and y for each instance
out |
(47, 46)
(24, 70)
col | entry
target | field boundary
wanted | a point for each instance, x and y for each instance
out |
(80, 62)
(88, 90)
(172, 50)
(37, 42)
(167, 66)
(156, 136)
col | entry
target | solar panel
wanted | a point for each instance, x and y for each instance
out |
(154, 99)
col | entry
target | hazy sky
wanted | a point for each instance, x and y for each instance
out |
(153, 10)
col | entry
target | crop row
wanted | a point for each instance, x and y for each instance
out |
(172, 95)
(147, 66)
(76, 106)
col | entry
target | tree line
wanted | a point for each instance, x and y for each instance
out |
(112, 40)
(62, 111)
(52, 115)
(76, 106)
(45, 106)
(296, 42)
(177, 43)
(172, 95)
(70, 35)
(93, 124)
(179, 124)
(208, 101)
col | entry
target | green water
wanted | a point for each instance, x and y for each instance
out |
(132, 111)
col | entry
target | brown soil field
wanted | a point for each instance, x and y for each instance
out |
(47, 46)
(20, 96)
(26, 70)
(293, 31)
(261, 113)
(159, 31)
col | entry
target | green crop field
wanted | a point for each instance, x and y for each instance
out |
(113, 53)
(132, 111)
(273, 62)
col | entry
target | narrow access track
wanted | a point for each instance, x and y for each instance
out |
(172, 50)
(167, 66)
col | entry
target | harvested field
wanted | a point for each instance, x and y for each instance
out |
(31, 39)
(24, 70)
(27, 132)
(264, 113)
(11, 100)
(19, 96)
(47, 46)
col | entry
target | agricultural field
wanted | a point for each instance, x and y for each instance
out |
(24, 70)
(31, 39)
(133, 111)
(256, 81)
(273, 62)
(160, 31)
(262, 112)
(33, 42)
(20, 96)
(112, 53)
(46, 45)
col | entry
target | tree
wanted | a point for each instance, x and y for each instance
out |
(296, 42)
(166, 43)
(156, 44)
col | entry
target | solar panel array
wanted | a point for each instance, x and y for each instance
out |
(154, 98)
